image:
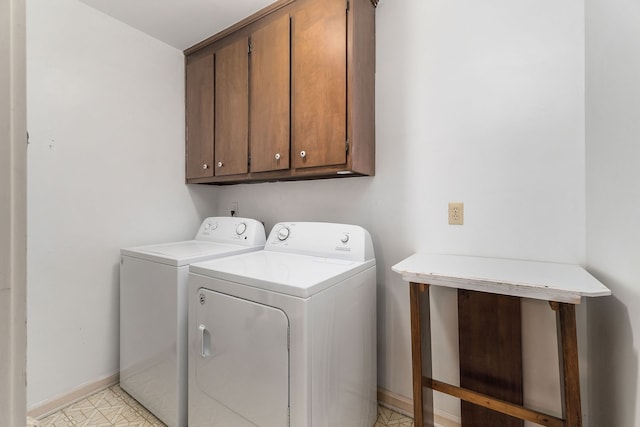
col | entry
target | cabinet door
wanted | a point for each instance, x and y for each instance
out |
(270, 98)
(319, 83)
(199, 115)
(232, 109)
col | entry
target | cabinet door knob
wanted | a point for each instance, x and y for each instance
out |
(277, 156)
(220, 164)
(205, 166)
(303, 154)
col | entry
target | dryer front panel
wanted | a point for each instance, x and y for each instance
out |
(241, 363)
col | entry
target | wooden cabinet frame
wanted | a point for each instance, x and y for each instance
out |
(359, 140)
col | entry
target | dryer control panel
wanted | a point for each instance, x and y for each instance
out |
(233, 230)
(321, 239)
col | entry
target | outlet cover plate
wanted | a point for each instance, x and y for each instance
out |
(456, 213)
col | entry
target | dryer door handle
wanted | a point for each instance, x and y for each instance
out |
(205, 341)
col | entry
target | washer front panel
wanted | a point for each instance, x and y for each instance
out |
(152, 345)
(242, 369)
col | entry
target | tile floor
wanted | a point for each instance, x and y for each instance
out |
(109, 407)
(113, 407)
(386, 417)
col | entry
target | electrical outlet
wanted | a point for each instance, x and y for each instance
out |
(456, 213)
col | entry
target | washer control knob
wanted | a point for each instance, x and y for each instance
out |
(345, 238)
(214, 225)
(241, 228)
(283, 233)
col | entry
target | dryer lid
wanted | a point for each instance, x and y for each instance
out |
(286, 273)
(183, 253)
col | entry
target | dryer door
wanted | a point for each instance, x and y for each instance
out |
(242, 370)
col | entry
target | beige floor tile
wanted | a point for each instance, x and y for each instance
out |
(112, 413)
(122, 395)
(131, 414)
(113, 407)
(97, 399)
(387, 417)
(80, 413)
(98, 420)
(59, 419)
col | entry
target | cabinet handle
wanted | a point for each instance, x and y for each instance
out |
(205, 166)
(277, 156)
(303, 154)
(220, 164)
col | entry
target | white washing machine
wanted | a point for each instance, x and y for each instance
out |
(286, 336)
(153, 311)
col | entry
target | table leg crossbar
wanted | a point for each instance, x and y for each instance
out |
(497, 405)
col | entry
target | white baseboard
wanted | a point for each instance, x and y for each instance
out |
(48, 407)
(404, 406)
(395, 402)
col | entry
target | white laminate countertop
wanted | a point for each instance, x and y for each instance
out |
(529, 279)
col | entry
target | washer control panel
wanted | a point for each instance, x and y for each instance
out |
(234, 230)
(343, 241)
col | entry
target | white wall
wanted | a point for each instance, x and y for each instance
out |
(13, 193)
(613, 207)
(479, 102)
(106, 170)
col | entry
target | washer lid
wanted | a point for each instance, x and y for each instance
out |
(290, 274)
(183, 253)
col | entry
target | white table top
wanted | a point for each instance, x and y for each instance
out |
(538, 280)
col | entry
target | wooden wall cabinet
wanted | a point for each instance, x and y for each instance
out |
(270, 96)
(199, 115)
(319, 82)
(290, 94)
(231, 142)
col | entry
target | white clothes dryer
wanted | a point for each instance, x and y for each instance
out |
(286, 336)
(153, 311)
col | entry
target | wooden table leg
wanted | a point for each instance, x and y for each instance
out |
(421, 354)
(569, 368)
